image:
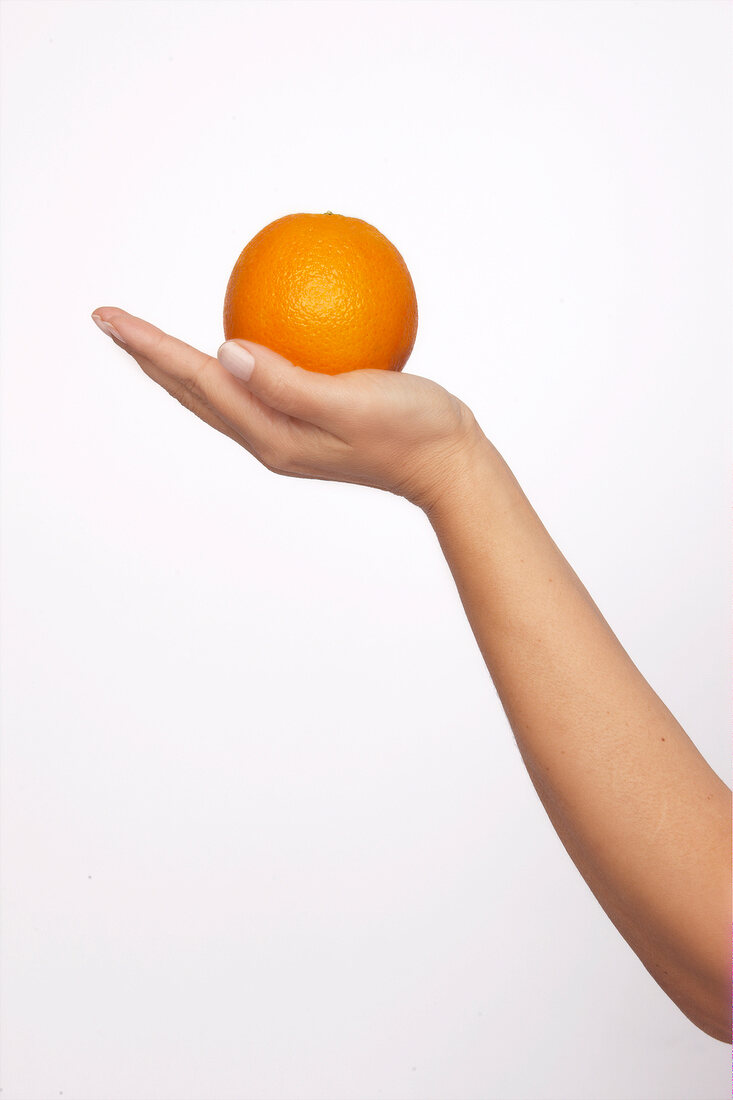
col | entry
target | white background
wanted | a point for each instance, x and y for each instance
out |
(266, 833)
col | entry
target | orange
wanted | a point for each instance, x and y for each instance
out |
(328, 292)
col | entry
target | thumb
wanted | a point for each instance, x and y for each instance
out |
(305, 394)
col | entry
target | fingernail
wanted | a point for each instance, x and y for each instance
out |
(107, 328)
(237, 360)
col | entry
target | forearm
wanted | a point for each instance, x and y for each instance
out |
(642, 815)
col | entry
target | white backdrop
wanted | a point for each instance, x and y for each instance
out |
(266, 833)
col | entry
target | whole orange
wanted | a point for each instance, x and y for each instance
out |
(328, 292)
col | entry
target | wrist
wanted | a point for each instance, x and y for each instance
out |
(462, 477)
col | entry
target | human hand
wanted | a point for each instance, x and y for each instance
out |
(390, 430)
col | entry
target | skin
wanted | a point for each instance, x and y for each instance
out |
(644, 818)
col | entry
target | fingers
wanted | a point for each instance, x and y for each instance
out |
(278, 385)
(170, 381)
(189, 401)
(189, 374)
(281, 442)
(140, 338)
(320, 399)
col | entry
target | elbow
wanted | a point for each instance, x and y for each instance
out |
(701, 989)
(714, 1025)
(709, 1007)
(715, 1021)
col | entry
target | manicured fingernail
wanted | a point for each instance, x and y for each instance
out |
(107, 328)
(237, 360)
